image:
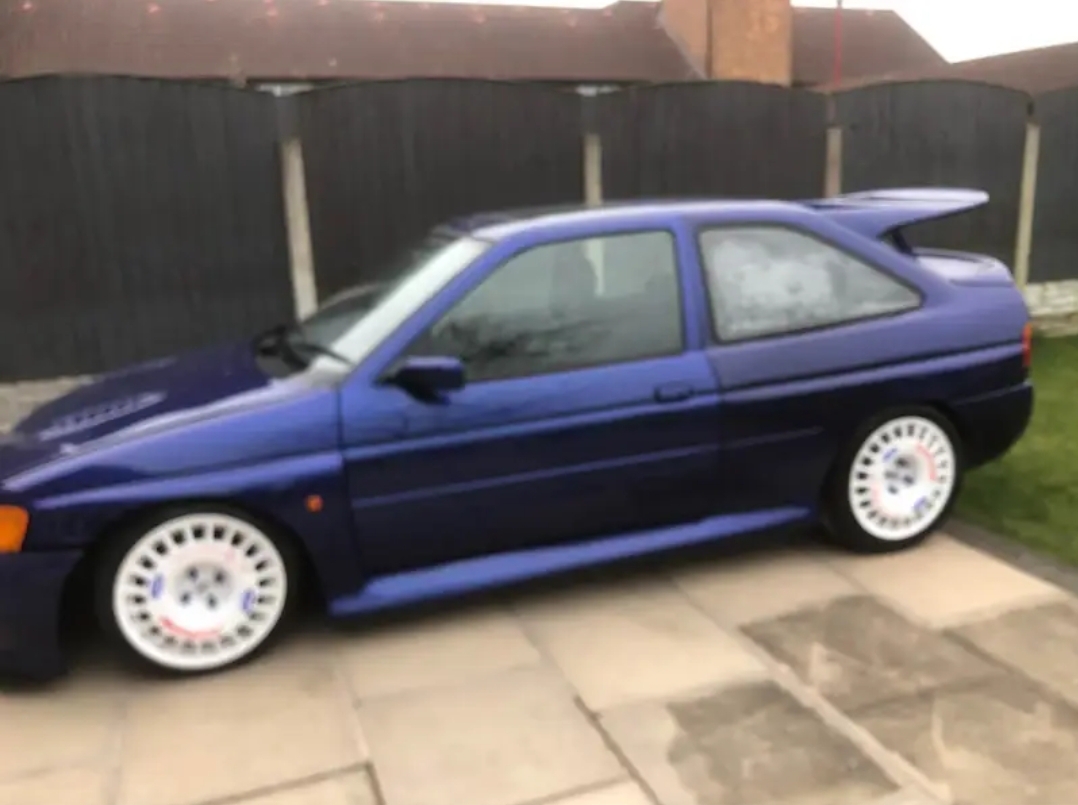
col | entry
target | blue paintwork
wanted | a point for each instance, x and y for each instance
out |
(507, 480)
(499, 569)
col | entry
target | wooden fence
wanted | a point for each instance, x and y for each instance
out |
(140, 217)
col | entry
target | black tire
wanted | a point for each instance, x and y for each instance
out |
(117, 551)
(842, 524)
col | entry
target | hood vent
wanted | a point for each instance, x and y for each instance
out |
(90, 418)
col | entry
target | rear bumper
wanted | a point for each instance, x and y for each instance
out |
(992, 424)
(31, 589)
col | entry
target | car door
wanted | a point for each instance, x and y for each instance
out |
(589, 410)
(807, 341)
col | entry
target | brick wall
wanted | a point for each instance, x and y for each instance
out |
(751, 40)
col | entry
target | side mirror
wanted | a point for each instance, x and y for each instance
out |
(429, 377)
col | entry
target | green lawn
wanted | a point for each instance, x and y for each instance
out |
(1031, 495)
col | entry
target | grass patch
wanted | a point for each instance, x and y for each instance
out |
(1031, 494)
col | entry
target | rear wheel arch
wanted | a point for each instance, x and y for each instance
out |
(834, 489)
(941, 409)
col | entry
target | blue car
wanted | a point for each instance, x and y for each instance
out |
(526, 393)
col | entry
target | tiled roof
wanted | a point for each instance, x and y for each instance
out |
(362, 39)
(328, 39)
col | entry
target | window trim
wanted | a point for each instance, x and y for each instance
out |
(683, 333)
(715, 338)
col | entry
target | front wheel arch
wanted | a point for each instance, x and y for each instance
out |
(202, 623)
(78, 590)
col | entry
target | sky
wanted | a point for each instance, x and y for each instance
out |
(970, 29)
(958, 29)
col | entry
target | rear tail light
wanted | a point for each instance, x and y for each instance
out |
(1027, 345)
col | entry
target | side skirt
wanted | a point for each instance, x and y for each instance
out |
(500, 570)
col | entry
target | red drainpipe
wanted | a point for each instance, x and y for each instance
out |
(836, 72)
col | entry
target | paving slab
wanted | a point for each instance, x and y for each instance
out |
(1000, 741)
(434, 650)
(72, 786)
(751, 744)
(285, 717)
(353, 788)
(73, 721)
(740, 591)
(907, 798)
(1040, 642)
(857, 652)
(626, 641)
(619, 794)
(944, 582)
(499, 740)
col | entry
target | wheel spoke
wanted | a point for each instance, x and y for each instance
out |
(901, 478)
(199, 592)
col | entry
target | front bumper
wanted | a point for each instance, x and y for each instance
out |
(31, 590)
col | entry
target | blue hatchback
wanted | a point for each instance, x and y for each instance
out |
(525, 394)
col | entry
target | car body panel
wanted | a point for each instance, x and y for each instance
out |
(31, 592)
(532, 461)
(589, 439)
(511, 479)
(496, 570)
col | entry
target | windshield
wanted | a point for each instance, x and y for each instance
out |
(351, 324)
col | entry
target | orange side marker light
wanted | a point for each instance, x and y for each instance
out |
(13, 524)
(314, 503)
(1027, 346)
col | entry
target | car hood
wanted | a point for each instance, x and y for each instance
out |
(146, 396)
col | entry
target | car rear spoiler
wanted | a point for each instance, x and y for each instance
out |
(883, 213)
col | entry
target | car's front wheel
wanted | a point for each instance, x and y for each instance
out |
(896, 482)
(195, 591)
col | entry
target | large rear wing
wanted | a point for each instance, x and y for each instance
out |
(883, 213)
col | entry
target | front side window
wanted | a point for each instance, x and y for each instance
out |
(564, 306)
(768, 281)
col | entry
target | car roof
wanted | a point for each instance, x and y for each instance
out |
(873, 213)
(497, 225)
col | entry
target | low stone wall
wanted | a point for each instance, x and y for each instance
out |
(1048, 300)
(1054, 307)
(19, 399)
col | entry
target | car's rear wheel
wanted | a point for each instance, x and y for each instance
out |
(896, 482)
(195, 591)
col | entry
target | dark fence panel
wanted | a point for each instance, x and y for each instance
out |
(1055, 219)
(387, 161)
(137, 218)
(944, 133)
(713, 139)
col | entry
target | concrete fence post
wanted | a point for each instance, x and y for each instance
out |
(593, 197)
(1027, 203)
(298, 224)
(593, 170)
(832, 177)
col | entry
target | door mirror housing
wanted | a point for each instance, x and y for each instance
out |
(429, 377)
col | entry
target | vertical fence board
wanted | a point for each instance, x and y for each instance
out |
(713, 139)
(1055, 218)
(941, 133)
(137, 218)
(141, 217)
(386, 161)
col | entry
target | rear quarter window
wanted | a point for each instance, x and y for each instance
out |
(766, 281)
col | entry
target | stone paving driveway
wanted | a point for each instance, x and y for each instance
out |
(785, 676)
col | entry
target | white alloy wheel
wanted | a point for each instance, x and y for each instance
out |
(902, 478)
(199, 592)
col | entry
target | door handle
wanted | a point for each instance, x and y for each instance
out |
(673, 392)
